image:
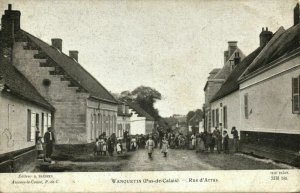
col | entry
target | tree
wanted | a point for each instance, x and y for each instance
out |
(145, 97)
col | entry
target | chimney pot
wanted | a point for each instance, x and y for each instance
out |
(9, 6)
(74, 54)
(263, 29)
(266, 28)
(57, 43)
(296, 14)
(232, 46)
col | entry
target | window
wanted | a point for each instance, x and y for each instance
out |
(28, 125)
(296, 95)
(217, 117)
(213, 118)
(246, 105)
(225, 116)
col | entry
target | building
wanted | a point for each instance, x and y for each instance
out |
(217, 77)
(123, 120)
(23, 112)
(140, 121)
(84, 109)
(261, 95)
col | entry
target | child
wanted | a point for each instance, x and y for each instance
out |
(119, 147)
(104, 148)
(225, 142)
(96, 147)
(39, 147)
(165, 145)
(101, 142)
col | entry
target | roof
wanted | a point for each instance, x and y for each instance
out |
(231, 83)
(282, 43)
(141, 112)
(19, 86)
(75, 70)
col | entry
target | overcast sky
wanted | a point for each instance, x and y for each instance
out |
(168, 45)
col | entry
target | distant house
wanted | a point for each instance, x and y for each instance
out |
(83, 107)
(23, 112)
(123, 120)
(140, 121)
(195, 122)
(217, 77)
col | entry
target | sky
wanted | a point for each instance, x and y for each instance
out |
(168, 45)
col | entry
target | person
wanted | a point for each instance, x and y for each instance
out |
(150, 146)
(119, 147)
(133, 143)
(104, 146)
(110, 146)
(164, 147)
(218, 138)
(225, 142)
(39, 147)
(212, 143)
(208, 141)
(201, 143)
(193, 138)
(97, 147)
(235, 134)
(128, 142)
(49, 141)
(101, 142)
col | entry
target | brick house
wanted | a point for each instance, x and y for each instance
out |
(84, 108)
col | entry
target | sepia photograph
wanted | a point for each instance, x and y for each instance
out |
(193, 93)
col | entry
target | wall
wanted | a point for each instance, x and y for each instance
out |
(149, 127)
(100, 117)
(123, 122)
(270, 100)
(13, 123)
(70, 105)
(232, 103)
(137, 124)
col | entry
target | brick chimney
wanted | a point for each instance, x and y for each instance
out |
(10, 22)
(296, 14)
(74, 54)
(264, 37)
(57, 43)
(232, 46)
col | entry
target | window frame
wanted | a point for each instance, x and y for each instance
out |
(297, 95)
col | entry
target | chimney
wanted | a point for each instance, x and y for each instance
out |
(264, 37)
(74, 54)
(57, 43)
(237, 58)
(232, 46)
(10, 22)
(296, 14)
(226, 57)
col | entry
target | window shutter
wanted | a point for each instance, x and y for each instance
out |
(246, 105)
(296, 95)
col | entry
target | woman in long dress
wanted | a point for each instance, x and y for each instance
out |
(193, 138)
(165, 145)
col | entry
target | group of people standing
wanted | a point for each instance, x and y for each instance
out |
(207, 142)
(110, 144)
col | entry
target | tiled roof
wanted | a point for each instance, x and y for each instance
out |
(141, 112)
(19, 86)
(282, 43)
(231, 83)
(75, 70)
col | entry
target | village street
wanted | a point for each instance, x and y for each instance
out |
(177, 160)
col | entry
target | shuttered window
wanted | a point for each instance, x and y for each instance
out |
(213, 118)
(246, 106)
(225, 117)
(217, 117)
(28, 125)
(296, 95)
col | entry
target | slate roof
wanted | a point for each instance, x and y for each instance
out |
(282, 43)
(231, 84)
(75, 70)
(141, 112)
(19, 86)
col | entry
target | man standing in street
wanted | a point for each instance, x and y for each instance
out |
(49, 140)
(150, 146)
(235, 134)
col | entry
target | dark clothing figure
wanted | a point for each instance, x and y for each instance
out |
(212, 143)
(110, 146)
(225, 143)
(128, 141)
(235, 134)
(218, 138)
(49, 141)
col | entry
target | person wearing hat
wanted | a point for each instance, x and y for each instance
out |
(150, 146)
(49, 140)
(225, 142)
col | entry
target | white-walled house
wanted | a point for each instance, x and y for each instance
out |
(23, 112)
(140, 121)
(123, 120)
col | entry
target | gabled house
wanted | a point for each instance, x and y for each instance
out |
(24, 115)
(269, 91)
(217, 77)
(140, 121)
(84, 109)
